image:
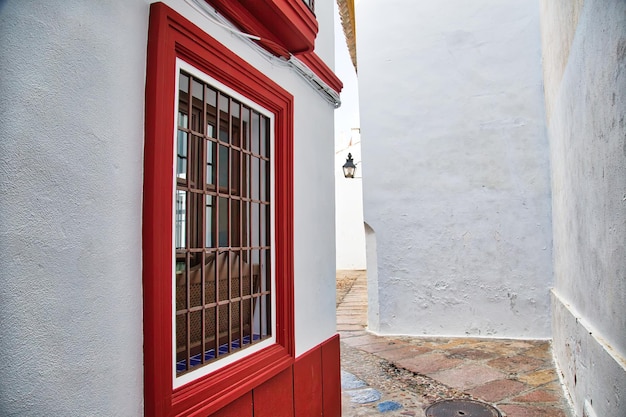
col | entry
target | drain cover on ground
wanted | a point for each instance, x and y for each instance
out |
(461, 408)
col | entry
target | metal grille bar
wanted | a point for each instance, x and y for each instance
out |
(222, 225)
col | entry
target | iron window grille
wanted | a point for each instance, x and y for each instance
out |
(222, 225)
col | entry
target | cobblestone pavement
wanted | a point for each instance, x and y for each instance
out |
(401, 376)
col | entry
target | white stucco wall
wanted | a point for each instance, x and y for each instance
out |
(457, 186)
(325, 40)
(586, 91)
(349, 230)
(71, 117)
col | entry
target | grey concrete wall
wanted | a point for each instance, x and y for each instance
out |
(585, 67)
(457, 185)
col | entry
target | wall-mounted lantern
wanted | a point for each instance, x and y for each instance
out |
(349, 168)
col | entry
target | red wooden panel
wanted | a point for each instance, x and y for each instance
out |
(307, 384)
(331, 377)
(275, 397)
(238, 408)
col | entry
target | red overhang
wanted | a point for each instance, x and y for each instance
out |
(285, 26)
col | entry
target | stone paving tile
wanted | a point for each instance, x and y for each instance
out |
(537, 396)
(539, 377)
(540, 351)
(513, 410)
(347, 327)
(349, 320)
(467, 376)
(436, 343)
(350, 312)
(349, 334)
(404, 351)
(498, 390)
(381, 347)
(370, 371)
(362, 340)
(428, 363)
(516, 364)
(354, 305)
(501, 347)
(554, 387)
(470, 353)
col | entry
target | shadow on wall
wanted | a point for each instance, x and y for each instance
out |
(371, 257)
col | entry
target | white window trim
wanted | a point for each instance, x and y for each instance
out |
(179, 381)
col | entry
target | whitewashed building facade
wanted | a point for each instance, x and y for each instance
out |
(494, 139)
(166, 189)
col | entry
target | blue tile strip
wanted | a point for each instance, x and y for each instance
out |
(349, 381)
(364, 395)
(389, 406)
(361, 393)
(210, 354)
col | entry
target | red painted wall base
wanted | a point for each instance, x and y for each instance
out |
(311, 387)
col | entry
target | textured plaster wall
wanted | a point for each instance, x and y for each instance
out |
(457, 185)
(587, 132)
(71, 122)
(325, 40)
(314, 221)
(71, 117)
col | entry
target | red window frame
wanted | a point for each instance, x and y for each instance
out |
(172, 36)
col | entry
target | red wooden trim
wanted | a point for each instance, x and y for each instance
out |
(171, 36)
(331, 377)
(285, 26)
(322, 70)
(218, 389)
(275, 397)
(242, 407)
(157, 246)
(308, 384)
(288, 23)
(315, 387)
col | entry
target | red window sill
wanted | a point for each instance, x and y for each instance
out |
(221, 387)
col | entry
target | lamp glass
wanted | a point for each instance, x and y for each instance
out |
(349, 168)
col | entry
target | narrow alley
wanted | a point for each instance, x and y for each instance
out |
(402, 376)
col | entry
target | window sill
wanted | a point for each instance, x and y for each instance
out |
(231, 382)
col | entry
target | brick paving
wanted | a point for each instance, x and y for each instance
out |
(409, 373)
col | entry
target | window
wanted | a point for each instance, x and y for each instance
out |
(223, 280)
(217, 222)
